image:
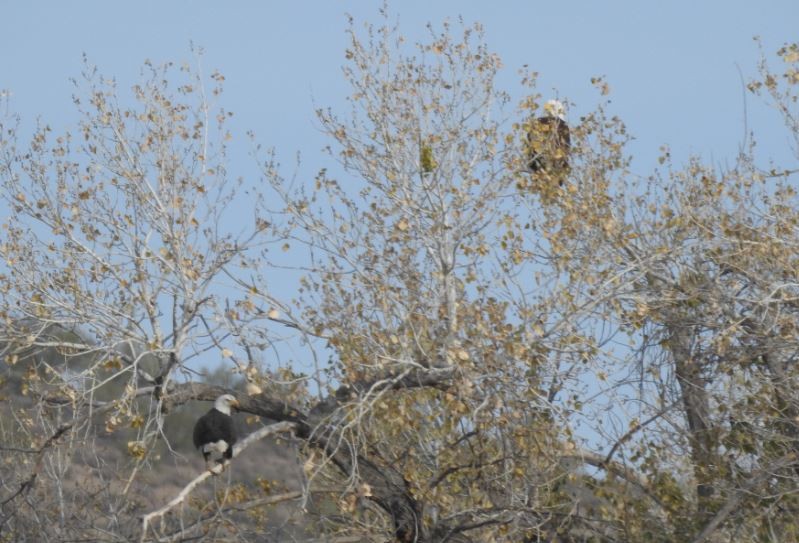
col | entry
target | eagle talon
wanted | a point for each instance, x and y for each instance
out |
(213, 471)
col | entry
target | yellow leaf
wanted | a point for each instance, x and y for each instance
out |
(113, 363)
(348, 503)
(227, 353)
(309, 465)
(426, 159)
(273, 314)
(111, 424)
(265, 485)
(136, 449)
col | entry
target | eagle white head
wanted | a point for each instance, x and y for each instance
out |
(225, 402)
(555, 108)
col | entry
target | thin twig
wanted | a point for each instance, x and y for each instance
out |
(246, 506)
(737, 495)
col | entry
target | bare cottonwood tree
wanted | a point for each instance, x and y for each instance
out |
(117, 255)
(497, 357)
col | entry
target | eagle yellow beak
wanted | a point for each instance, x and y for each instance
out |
(235, 404)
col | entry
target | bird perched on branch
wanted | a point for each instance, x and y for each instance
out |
(549, 143)
(214, 431)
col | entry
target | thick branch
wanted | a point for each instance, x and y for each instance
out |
(390, 490)
(246, 442)
(259, 404)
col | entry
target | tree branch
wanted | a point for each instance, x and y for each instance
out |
(636, 428)
(246, 506)
(738, 494)
(601, 462)
(246, 442)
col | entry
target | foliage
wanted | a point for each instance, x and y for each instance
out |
(610, 359)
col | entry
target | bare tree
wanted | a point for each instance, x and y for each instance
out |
(496, 356)
(117, 255)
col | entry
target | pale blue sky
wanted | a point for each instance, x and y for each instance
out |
(671, 65)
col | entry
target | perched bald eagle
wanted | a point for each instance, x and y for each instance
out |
(549, 143)
(214, 431)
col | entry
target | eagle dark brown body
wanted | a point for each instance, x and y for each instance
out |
(549, 144)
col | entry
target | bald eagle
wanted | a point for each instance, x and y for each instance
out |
(214, 431)
(549, 143)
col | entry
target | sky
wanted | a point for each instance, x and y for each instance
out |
(674, 67)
